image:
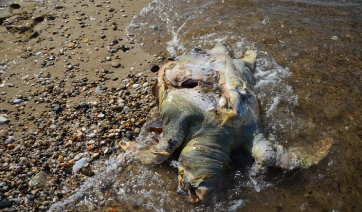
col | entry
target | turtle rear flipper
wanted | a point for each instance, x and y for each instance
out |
(266, 153)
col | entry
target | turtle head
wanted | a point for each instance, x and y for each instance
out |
(196, 189)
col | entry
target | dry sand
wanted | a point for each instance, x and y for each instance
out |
(67, 74)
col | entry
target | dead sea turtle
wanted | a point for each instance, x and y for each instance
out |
(207, 110)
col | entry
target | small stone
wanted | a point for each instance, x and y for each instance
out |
(87, 171)
(17, 101)
(3, 120)
(126, 109)
(60, 159)
(78, 165)
(155, 68)
(98, 90)
(90, 147)
(39, 180)
(116, 64)
(128, 134)
(335, 37)
(14, 6)
(108, 58)
(5, 203)
(10, 139)
(92, 135)
(57, 109)
(136, 130)
(71, 45)
(101, 116)
(30, 118)
(135, 85)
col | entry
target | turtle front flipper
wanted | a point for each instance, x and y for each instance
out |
(180, 116)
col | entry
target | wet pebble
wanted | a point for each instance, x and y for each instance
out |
(78, 165)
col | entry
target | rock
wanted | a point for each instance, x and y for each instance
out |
(136, 130)
(92, 135)
(57, 109)
(5, 203)
(126, 109)
(17, 101)
(116, 64)
(10, 139)
(15, 6)
(78, 165)
(71, 45)
(3, 120)
(101, 116)
(124, 48)
(98, 90)
(39, 180)
(155, 68)
(87, 171)
(128, 134)
(335, 38)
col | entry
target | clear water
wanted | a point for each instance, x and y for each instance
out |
(309, 82)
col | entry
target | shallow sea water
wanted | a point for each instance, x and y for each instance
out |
(309, 82)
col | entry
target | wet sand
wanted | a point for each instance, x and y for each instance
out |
(71, 87)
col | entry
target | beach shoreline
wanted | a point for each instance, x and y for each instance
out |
(72, 87)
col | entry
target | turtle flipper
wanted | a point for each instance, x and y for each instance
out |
(267, 154)
(303, 157)
(177, 113)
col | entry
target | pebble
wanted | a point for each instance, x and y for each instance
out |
(129, 134)
(3, 120)
(17, 101)
(126, 109)
(92, 135)
(39, 180)
(5, 203)
(78, 165)
(116, 64)
(155, 68)
(101, 116)
(98, 90)
(10, 139)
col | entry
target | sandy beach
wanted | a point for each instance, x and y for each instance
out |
(72, 86)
